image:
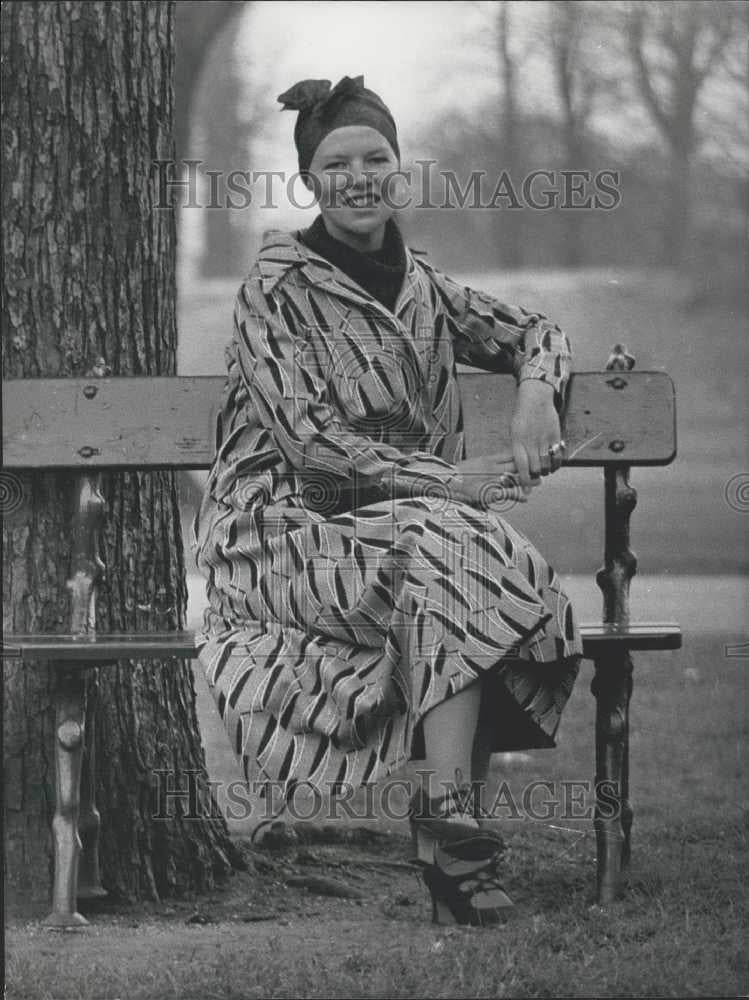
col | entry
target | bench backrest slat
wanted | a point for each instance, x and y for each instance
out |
(169, 421)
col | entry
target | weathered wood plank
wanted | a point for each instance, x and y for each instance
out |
(639, 635)
(170, 421)
(115, 422)
(610, 417)
(108, 648)
(102, 648)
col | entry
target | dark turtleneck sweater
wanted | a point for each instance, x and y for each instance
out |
(379, 272)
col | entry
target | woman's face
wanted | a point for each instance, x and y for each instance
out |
(350, 168)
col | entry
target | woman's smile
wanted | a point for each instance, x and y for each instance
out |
(362, 201)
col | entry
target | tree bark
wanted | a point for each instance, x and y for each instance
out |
(89, 272)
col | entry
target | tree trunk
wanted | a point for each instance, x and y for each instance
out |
(197, 24)
(90, 271)
(677, 221)
(573, 247)
(569, 72)
(509, 226)
(225, 247)
(224, 146)
(693, 36)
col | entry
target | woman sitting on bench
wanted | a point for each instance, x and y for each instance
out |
(367, 606)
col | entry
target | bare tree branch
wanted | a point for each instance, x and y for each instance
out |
(635, 40)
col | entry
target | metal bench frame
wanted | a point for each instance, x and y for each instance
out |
(611, 420)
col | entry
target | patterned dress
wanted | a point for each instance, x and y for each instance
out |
(352, 586)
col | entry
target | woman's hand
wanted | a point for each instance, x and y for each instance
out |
(536, 438)
(489, 479)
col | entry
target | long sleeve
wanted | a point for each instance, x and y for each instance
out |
(288, 390)
(503, 338)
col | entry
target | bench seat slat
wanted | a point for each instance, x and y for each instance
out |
(637, 635)
(110, 647)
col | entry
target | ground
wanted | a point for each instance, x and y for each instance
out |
(678, 929)
(659, 941)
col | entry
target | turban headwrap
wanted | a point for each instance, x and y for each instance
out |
(322, 110)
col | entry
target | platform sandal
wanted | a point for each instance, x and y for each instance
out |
(464, 883)
(458, 847)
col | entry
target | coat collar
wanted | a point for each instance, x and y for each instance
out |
(283, 253)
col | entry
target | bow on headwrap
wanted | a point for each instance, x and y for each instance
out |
(322, 110)
(308, 94)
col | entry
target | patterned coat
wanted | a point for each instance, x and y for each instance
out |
(351, 586)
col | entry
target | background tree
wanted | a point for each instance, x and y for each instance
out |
(206, 72)
(90, 271)
(576, 83)
(511, 231)
(727, 110)
(674, 47)
(222, 143)
(197, 24)
(224, 122)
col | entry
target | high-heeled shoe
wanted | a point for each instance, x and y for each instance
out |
(443, 819)
(464, 883)
(458, 847)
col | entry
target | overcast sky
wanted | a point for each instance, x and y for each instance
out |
(412, 53)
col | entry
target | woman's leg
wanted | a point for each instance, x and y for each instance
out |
(460, 868)
(458, 744)
(449, 738)
(481, 758)
(449, 730)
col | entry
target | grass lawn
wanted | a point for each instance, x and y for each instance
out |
(679, 929)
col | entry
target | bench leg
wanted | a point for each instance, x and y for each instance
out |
(628, 812)
(612, 686)
(89, 823)
(70, 698)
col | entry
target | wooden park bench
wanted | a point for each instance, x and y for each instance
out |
(614, 419)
